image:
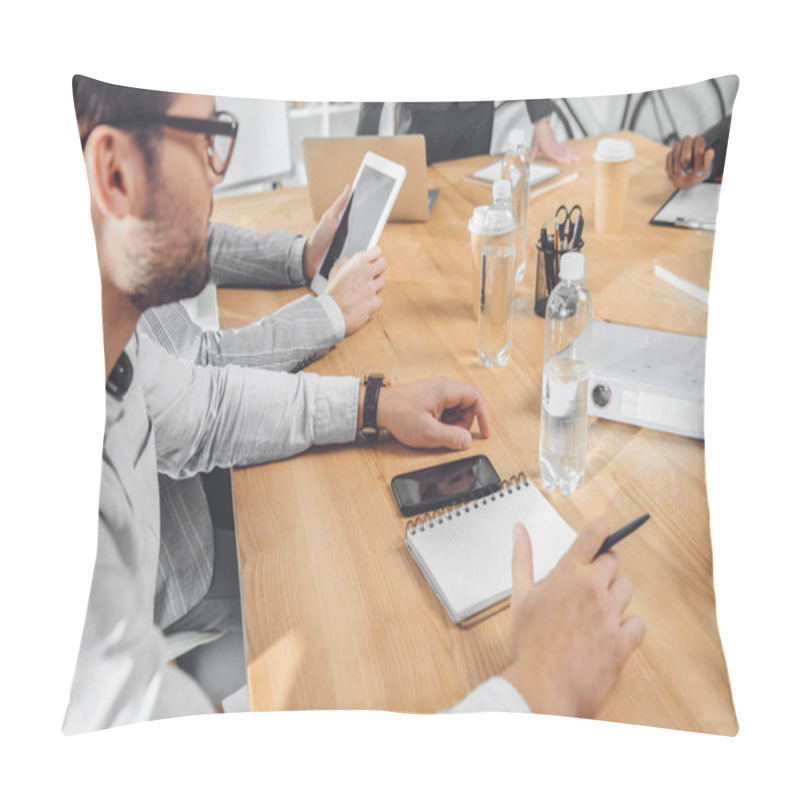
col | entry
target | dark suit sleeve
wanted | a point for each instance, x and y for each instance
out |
(539, 109)
(717, 137)
(369, 118)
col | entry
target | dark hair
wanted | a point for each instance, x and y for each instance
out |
(98, 103)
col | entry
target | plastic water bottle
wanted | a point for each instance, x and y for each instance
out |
(567, 350)
(498, 261)
(516, 167)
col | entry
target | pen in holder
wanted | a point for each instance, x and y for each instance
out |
(548, 259)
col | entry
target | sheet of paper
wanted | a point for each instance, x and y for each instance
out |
(466, 555)
(697, 205)
(688, 272)
(538, 173)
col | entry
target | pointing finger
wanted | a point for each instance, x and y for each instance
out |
(521, 562)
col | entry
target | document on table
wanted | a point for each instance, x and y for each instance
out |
(537, 173)
(688, 272)
(695, 207)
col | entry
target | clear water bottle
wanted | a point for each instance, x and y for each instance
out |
(567, 350)
(498, 263)
(516, 167)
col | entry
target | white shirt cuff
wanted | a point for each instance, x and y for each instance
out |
(296, 275)
(496, 694)
(334, 314)
(336, 410)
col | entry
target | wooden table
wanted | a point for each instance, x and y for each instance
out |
(337, 614)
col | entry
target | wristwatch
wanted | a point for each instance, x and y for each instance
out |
(369, 419)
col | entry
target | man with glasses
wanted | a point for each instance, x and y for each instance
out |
(150, 190)
(195, 542)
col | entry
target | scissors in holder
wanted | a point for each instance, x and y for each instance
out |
(570, 227)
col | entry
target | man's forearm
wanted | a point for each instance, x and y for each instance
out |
(241, 257)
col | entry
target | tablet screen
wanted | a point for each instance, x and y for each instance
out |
(362, 213)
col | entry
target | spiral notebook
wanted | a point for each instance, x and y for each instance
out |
(465, 552)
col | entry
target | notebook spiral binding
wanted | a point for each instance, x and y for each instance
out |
(431, 518)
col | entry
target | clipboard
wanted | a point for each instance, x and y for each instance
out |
(695, 208)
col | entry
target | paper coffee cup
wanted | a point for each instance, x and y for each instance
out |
(475, 227)
(612, 163)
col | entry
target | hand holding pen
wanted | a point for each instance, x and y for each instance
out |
(619, 535)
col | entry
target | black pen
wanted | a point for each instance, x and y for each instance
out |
(619, 535)
(578, 231)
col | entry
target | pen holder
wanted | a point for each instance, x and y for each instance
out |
(548, 260)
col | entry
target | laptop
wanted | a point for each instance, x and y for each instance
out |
(334, 161)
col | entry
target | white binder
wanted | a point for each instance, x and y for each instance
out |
(650, 378)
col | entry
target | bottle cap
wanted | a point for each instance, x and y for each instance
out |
(516, 137)
(572, 267)
(501, 190)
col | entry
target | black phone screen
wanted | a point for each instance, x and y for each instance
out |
(444, 484)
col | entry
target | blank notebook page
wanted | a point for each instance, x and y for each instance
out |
(466, 554)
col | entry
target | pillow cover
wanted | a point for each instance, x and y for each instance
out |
(313, 603)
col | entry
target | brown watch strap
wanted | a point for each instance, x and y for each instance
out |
(369, 423)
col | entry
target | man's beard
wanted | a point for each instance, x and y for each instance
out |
(172, 256)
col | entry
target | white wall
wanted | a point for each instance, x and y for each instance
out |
(262, 153)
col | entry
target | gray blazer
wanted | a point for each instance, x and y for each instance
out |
(287, 340)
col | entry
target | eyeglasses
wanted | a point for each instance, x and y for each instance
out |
(220, 132)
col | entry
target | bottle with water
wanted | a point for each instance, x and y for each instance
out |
(516, 167)
(567, 350)
(498, 262)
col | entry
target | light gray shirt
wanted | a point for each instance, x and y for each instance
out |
(123, 673)
(288, 340)
(215, 416)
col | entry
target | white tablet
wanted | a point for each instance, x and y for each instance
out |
(375, 188)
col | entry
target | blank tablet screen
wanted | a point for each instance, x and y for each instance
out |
(363, 211)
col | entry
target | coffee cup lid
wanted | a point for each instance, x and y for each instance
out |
(614, 150)
(476, 220)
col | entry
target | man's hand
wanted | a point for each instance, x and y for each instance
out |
(319, 241)
(568, 639)
(356, 285)
(545, 144)
(689, 163)
(437, 412)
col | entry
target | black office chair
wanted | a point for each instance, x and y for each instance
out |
(654, 99)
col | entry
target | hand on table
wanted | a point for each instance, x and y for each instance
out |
(545, 144)
(355, 285)
(689, 162)
(437, 412)
(569, 641)
(320, 240)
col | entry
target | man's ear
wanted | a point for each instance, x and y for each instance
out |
(116, 170)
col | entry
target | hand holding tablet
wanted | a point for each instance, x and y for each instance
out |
(375, 190)
(355, 285)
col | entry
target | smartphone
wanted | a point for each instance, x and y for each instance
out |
(444, 485)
